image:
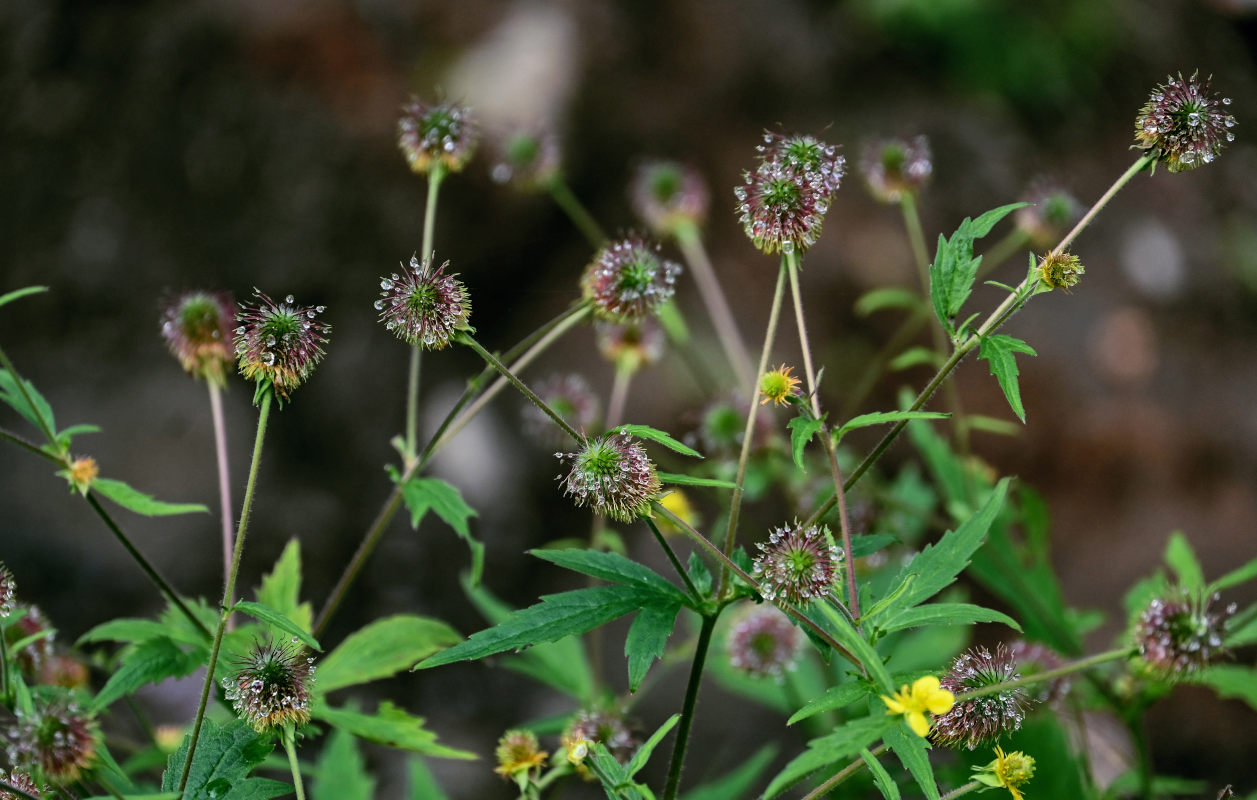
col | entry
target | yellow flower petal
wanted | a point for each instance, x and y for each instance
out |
(922, 688)
(893, 706)
(916, 721)
(940, 702)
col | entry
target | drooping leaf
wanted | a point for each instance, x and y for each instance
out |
(881, 778)
(656, 435)
(140, 503)
(830, 749)
(9, 297)
(1182, 559)
(884, 417)
(281, 588)
(887, 297)
(913, 753)
(424, 494)
(737, 783)
(342, 773)
(678, 479)
(944, 614)
(802, 429)
(152, 661)
(383, 648)
(954, 269)
(225, 755)
(998, 350)
(277, 620)
(835, 697)
(647, 638)
(614, 568)
(390, 726)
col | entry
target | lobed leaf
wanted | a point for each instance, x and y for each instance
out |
(647, 638)
(835, 697)
(955, 268)
(998, 350)
(945, 614)
(615, 568)
(151, 661)
(827, 750)
(881, 778)
(281, 588)
(225, 755)
(433, 494)
(342, 771)
(383, 648)
(912, 753)
(802, 429)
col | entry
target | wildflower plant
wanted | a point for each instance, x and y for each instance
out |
(858, 611)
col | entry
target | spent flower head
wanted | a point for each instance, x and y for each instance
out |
(18, 780)
(1060, 271)
(1010, 771)
(629, 280)
(58, 735)
(983, 719)
(779, 386)
(422, 306)
(782, 203)
(894, 167)
(441, 133)
(763, 642)
(8, 591)
(271, 686)
(197, 328)
(1051, 212)
(519, 755)
(668, 196)
(613, 476)
(1179, 634)
(279, 344)
(1183, 125)
(797, 564)
(925, 696)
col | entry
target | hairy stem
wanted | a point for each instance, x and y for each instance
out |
(492, 360)
(576, 211)
(843, 774)
(290, 746)
(963, 790)
(1047, 675)
(224, 478)
(688, 705)
(691, 243)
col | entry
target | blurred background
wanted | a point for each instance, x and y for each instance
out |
(150, 147)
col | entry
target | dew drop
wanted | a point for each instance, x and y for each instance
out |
(386, 284)
(288, 299)
(379, 305)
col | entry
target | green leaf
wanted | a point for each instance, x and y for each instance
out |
(888, 297)
(556, 616)
(159, 796)
(277, 620)
(862, 546)
(152, 661)
(994, 425)
(643, 753)
(1243, 628)
(998, 350)
(614, 568)
(944, 614)
(424, 494)
(1230, 680)
(830, 749)
(656, 435)
(802, 429)
(700, 576)
(847, 636)
(1182, 560)
(37, 408)
(686, 480)
(423, 785)
(884, 417)
(132, 631)
(835, 697)
(913, 357)
(881, 778)
(1235, 577)
(281, 589)
(390, 726)
(383, 648)
(225, 755)
(9, 297)
(342, 771)
(912, 752)
(955, 268)
(647, 638)
(738, 782)
(140, 503)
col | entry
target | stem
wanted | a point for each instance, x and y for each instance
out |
(427, 255)
(580, 217)
(843, 774)
(691, 244)
(676, 562)
(44, 426)
(963, 790)
(229, 585)
(912, 221)
(429, 212)
(355, 565)
(492, 360)
(624, 369)
(224, 479)
(748, 433)
(1040, 677)
(290, 745)
(687, 707)
(30, 447)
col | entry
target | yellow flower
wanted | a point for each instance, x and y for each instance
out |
(778, 386)
(81, 473)
(926, 695)
(1009, 770)
(518, 753)
(676, 502)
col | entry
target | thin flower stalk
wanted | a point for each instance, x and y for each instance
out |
(843, 774)
(690, 241)
(576, 211)
(961, 791)
(416, 352)
(695, 595)
(492, 360)
(224, 477)
(290, 747)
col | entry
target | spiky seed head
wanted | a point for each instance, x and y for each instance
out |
(442, 133)
(271, 687)
(1060, 271)
(609, 728)
(778, 386)
(1033, 658)
(668, 196)
(1183, 125)
(798, 564)
(422, 306)
(613, 476)
(528, 159)
(1051, 212)
(58, 735)
(18, 780)
(894, 167)
(197, 328)
(571, 397)
(632, 345)
(763, 642)
(629, 280)
(8, 591)
(812, 161)
(1179, 634)
(782, 202)
(519, 754)
(983, 719)
(279, 344)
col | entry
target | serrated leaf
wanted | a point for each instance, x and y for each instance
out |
(383, 648)
(16, 294)
(913, 357)
(737, 783)
(802, 429)
(647, 638)
(1182, 560)
(998, 350)
(885, 417)
(140, 503)
(152, 661)
(424, 494)
(954, 268)
(1235, 577)
(677, 479)
(225, 755)
(390, 726)
(835, 697)
(556, 616)
(342, 773)
(277, 620)
(944, 614)
(881, 778)
(281, 588)
(615, 568)
(37, 408)
(912, 753)
(1230, 680)
(855, 643)
(841, 744)
(644, 752)
(887, 297)
(656, 435)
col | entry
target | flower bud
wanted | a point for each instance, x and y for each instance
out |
(668, 196)
(896, 167)
(271, 687)
(444, 134)
(1060, 271)
(81, 474)
(764, 643)
(424, 307)
(1178, 635)
(1183, 125)
(631, 344)
(279, 343)
(613, 476)
(197, 329)
(797, 564)
(589, 727)
(982, 719)
(628, 280)
(778, 386)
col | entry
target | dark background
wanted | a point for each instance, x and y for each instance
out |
(150, 147)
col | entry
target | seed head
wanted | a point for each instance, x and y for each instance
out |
(20, 781)
(631, 344)
(528, 159)
(613, 476)
(58, 736)
(1033, 658)
(271, 687)
(895, 167)
(519, 754)
(600, 726)
(778, 386)
(1183, 125)
(422, 306)
(782, 204)
(668, 196)
(571, 397)
(797, 564)
(763, 642)
(443, 134)
(1060, 271)
(8, 591)
(628, 280)
(1178, 635)
(279, 343)
(1009, 770)
(197, 329)
(983, 719)
(1051, 212)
